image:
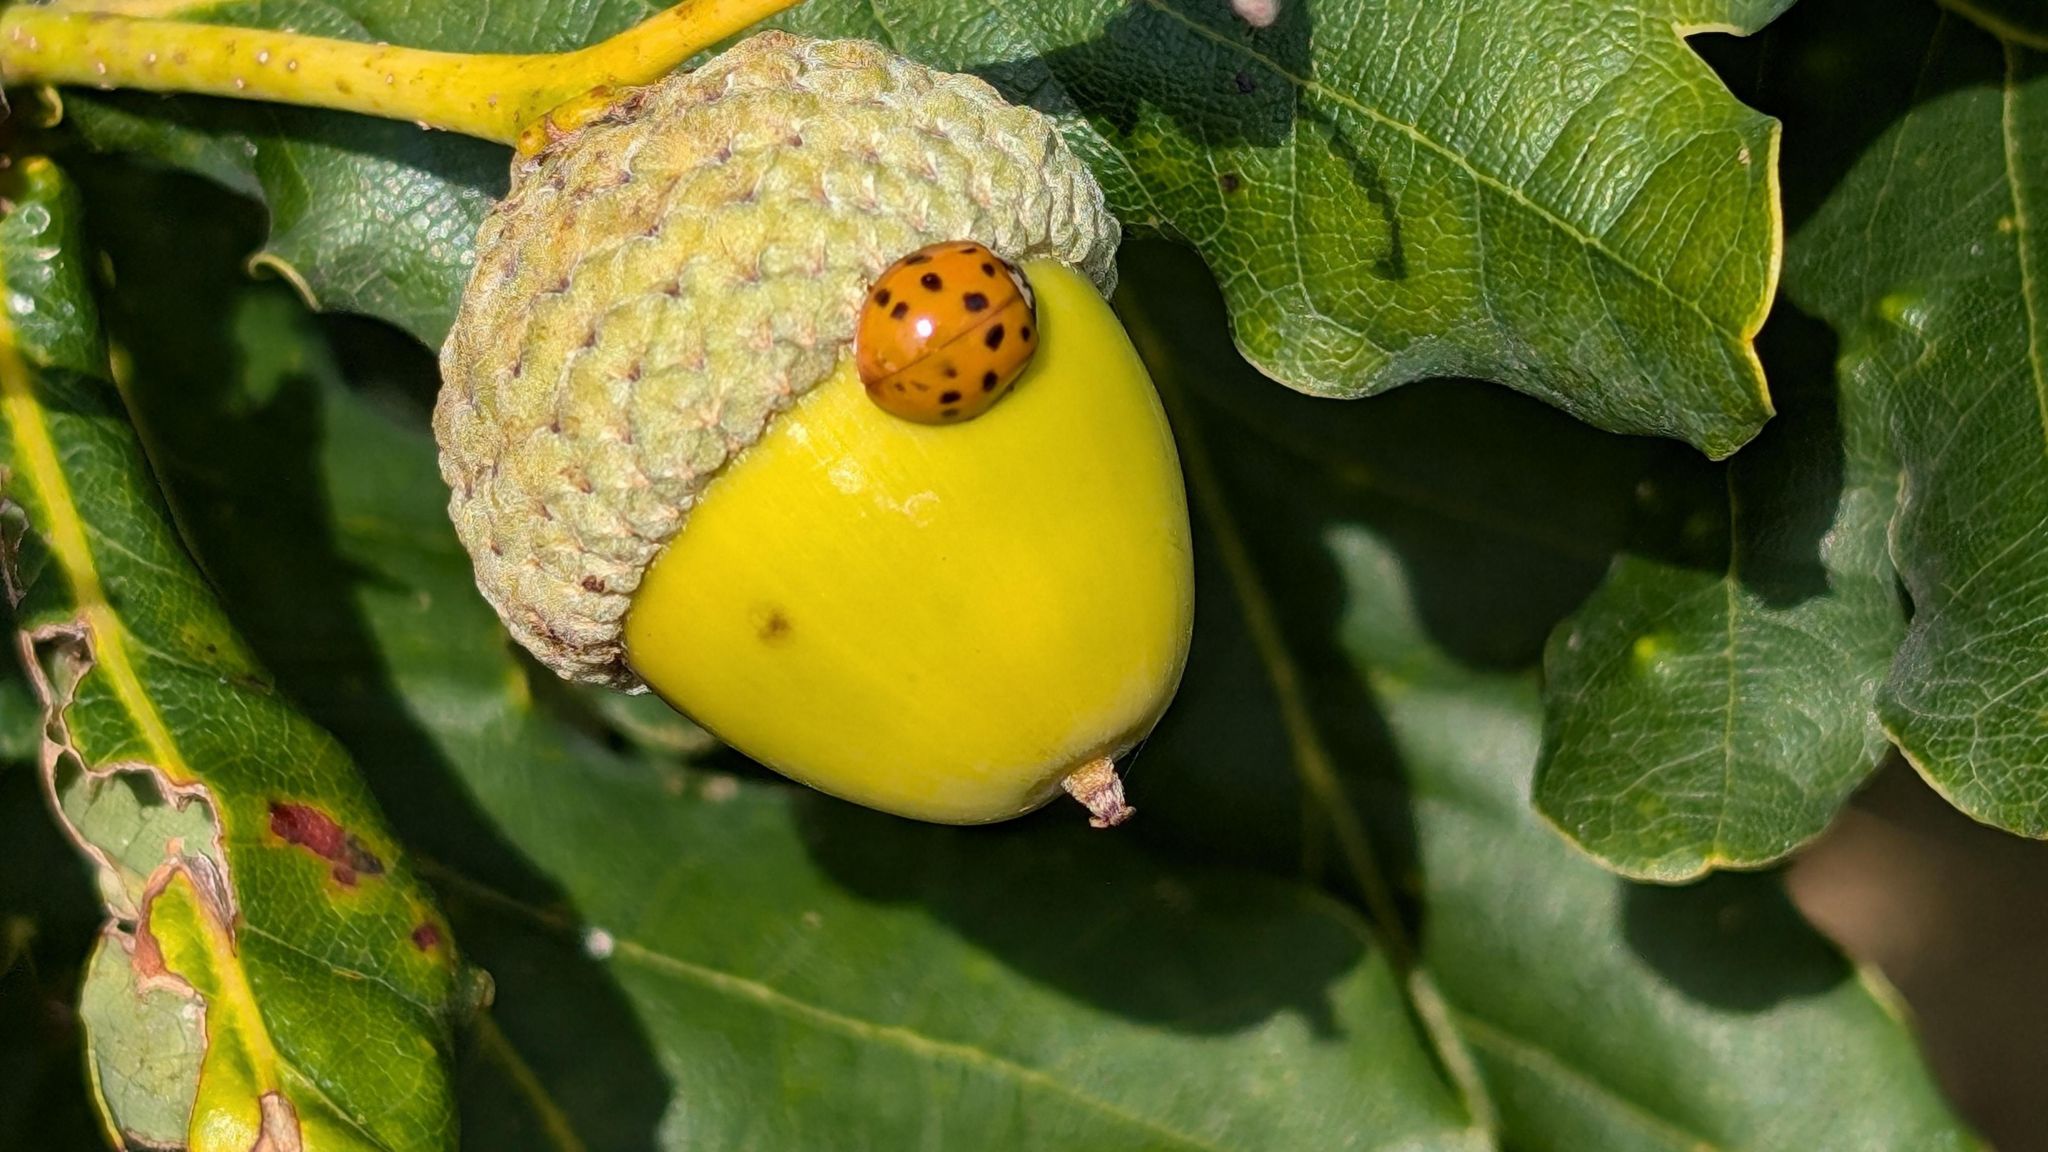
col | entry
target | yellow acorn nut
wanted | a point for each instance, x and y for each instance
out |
(938, 621)
(669, 474)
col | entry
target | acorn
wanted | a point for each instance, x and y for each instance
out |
(786, 388)
(672, 475)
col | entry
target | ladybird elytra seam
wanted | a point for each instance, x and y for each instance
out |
(931, 312)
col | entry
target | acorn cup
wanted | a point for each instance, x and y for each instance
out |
(784, 387)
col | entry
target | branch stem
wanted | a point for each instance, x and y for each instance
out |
(491, 96)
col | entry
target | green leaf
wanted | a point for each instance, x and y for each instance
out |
(1712, 705)
(1661, 775)
(277, 906)
(151, 1046)
(1631, 1011)
(1558, 196)
(1928, 261)
(689, 955)
(1596, 1013)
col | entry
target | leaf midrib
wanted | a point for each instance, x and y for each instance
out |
(891, 1035)
(2022, 228)
(1717, 848)
(766, 996)
(36, 448)
(1527, 1052)
(66, 535)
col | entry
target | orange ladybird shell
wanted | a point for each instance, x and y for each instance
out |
(944, 332)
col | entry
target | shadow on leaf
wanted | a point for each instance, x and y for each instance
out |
(1733, 941)
(1799, 66)
(1503, 514)
(1087, 913)
(1231, 87)
(1221, 80)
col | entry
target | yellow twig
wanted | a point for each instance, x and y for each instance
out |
(492, 96)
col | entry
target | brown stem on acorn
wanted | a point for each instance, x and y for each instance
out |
(1099, 789)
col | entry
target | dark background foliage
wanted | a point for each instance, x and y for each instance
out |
(1341, 920)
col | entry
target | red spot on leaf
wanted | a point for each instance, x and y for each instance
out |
(426, 937)
(316, 832)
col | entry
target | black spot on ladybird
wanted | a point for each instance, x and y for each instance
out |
(901, 310)
(949, 397)
(989, 381)
(949, 371)
(1024, 333)
(974, 301)
(920, 385)
(899, 385)
(920, 258)
(994, 339)
(987, 269)
(931, 281)
(949, 413)
(882, 297)
(969, 249)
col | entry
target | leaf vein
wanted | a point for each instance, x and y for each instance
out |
(1430, 143)
(1541, 1060)
(907, 1039)
(2021, 233)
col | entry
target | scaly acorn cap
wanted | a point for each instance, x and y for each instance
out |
(663, 281)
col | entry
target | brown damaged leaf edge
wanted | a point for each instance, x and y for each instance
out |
(219, 915)
(55, 658)
(280, 1126)
(150, 969)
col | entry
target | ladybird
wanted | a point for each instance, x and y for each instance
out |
(944, 333)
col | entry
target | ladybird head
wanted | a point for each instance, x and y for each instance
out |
(944, 332)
